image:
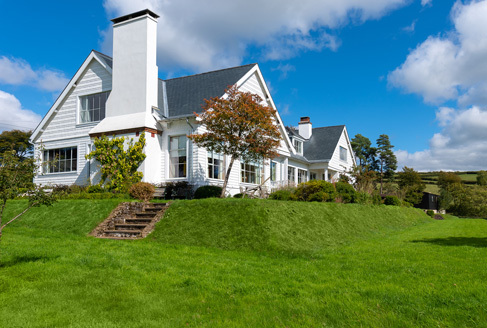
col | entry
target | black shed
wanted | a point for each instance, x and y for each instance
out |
(429, 202)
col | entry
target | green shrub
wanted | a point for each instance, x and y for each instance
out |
(60, 188)
(239, 195)
(142, 191)
(362, 198)
(392, 201)
(319, 196)
(178, 190)
(306, 189)
(346, 192)
(76, 189)
(282, 194)
(430, 213)
(376, 199)
(208, 192)
(94, 189)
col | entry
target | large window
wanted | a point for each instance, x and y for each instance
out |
(215, 165)
(298, 145)
(251, 172)
(273, 171)
(291, 172)
(343, 154)
(301, 176)
(177, 157)
(93, 107)
(60, 160)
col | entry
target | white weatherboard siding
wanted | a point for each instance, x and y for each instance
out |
(79, 177)
(64, 123)
(63, 130)
(336, 163)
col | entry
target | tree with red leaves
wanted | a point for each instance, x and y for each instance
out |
(239, 126)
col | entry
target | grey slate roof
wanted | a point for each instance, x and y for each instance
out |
(185, 95)
(322, 143)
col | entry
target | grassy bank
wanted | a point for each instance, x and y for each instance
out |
(406, 275)
(264, 225)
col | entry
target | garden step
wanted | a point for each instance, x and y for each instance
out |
(117, 238)
(130, 226)
(153, 209)
(138, 220)
(144, 214)
(122, 233)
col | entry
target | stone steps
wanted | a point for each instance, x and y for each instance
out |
(130, 221)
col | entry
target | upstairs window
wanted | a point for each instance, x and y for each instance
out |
(60, 160)
(177, 157)
(343, 154)
(298, 145)
(92, 107)
(215, 165)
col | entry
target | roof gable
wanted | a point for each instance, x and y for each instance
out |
(104, 61)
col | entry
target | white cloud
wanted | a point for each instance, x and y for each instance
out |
(461, 145)
(13, 116)
(452, 67)
(410, 28)
(284, 69)
(201, 35)
(16, 71)
(426, 2)
(446, 68)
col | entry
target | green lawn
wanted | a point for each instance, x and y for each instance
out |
(419, 273)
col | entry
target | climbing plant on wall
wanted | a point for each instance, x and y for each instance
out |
(119, 161)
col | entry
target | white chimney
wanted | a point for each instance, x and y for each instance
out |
(305, 128)
(134, 73)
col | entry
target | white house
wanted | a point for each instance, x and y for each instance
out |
(123, 96)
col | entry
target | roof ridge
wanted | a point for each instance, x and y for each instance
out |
(217, 70)
(331, 126)
(101, 53)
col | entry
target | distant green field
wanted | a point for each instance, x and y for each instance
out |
(431, 179)
(244, 263)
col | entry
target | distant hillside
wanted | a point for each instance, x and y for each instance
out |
(265, 225)
(431, 179)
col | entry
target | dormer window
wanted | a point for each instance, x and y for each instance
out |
(298, 145)
(92, 107)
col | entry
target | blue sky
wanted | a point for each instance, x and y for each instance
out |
(415, 70)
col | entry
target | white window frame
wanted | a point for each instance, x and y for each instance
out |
(46, 168)
(302, 175)
(211, 165)
(343, 154)
(289, 167)
(170, 164)
(258, 170)
(273, 175)
(298, 145)
(80, 106)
